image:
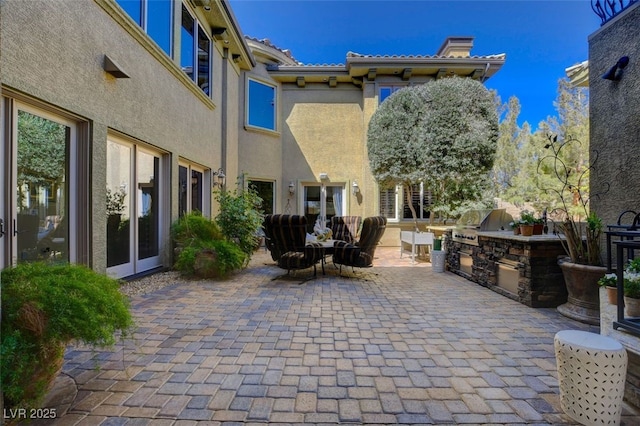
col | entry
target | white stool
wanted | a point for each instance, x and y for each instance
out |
(592, 370)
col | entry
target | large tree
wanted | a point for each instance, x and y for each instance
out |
(443, 134)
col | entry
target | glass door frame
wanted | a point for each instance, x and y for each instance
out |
(12, 106)
(323, 198)
(136, 265)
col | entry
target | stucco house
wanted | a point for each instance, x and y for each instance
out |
(113, 128)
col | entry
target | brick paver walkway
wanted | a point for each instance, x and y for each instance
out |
(394, 345)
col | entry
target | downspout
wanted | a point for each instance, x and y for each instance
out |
(223, 112)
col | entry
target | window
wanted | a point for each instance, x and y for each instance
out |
(191, 194)
(195, 51)
(393, 200)
(386, 91)
(261, 105)
(187, 37)
(388, 203)
(154, 17)
(265, 190)
(419, 200)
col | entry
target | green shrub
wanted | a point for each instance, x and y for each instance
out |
(193, 227)
(216, 258)
(44, 308)
(202, 249)
(240, 218)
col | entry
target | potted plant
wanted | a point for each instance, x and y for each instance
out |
(538, 226)
(526, 223)
(580, 229)
(515, 226)
(610, 283)
(631, 277)
(45, 307)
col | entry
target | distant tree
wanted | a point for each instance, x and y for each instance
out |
(533, 184)
(443, 134)
(511, 141)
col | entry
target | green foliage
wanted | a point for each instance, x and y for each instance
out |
(516, 176)
(240, 218)
(632, 288)
(527, 218)
(45, 307)
(634, 265)
(608, 280)
(193, 227)
(442, 133)
(202, 249)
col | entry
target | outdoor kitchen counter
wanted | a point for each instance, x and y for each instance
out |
(521, 268)
(509, 235)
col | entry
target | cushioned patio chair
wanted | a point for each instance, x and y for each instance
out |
(287, 235)
(360, 254)
(345, 228)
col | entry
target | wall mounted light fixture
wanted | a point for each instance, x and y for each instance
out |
(110, 66)
(292, 188)
(355, 188)
(220, 178)
(615, 72)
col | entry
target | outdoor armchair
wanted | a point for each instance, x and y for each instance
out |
(287, 235)
(360, 254)
(345, 228)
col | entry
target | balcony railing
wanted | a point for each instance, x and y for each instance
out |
(607, 9)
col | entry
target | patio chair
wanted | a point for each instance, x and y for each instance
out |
(345, 228)
(360, 254)
(287, 235)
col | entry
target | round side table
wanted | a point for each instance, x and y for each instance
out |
(592, 370)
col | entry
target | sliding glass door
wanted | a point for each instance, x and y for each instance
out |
(133, 208)
(36, 154)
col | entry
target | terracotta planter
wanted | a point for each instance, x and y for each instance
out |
(612, 295)
(516, 230)
(537, 228)
(632, 307)
(583, 301)
(526, 230)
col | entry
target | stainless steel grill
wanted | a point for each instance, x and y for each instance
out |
(473, 221)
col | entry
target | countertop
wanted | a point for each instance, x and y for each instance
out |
(509, 235)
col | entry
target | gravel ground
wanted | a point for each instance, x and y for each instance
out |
(151, 283)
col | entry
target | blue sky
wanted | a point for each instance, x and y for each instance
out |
(540, 38)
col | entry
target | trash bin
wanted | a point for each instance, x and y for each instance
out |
(592, 370)
(438, 260)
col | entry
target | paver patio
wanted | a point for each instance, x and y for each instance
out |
(398, 344)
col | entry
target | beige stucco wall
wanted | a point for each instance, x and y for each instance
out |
(49, 52)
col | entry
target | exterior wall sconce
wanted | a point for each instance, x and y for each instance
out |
(615, 72)
(110, 66)
(292, 188)
(324, 176)
(220, 180)
(355, 188)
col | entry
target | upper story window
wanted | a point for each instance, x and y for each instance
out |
(261, 105)
(195, 51)
(154, 17)
(386, 91)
